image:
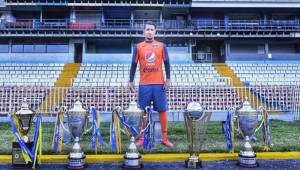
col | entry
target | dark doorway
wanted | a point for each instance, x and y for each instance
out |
(207, 51)
(78, 52)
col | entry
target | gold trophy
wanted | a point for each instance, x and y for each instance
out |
(196, 121)
(24, 117)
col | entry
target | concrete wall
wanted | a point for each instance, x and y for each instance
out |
(126, 58)
(246, 57)
(36, 57)
(41, 57)
(107, 58)
(285, 56)
(180, 58)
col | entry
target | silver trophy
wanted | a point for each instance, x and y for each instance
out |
(196, 120)
(24, 117)
(77, 117)
(248, 125)
(134, 118)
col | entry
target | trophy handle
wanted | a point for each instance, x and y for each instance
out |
(261, 109)
(234, 118)
(148, 110)
(89, 129)
(34, 113)
(118, 110)
(232, 109)
(63, 110)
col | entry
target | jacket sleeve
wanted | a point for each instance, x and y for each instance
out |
(133, 64)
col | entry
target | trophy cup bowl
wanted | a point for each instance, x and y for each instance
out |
(77, 117)
(196, 121)
(24, 117)
(248, 121)
(76, 123)
(133, 116)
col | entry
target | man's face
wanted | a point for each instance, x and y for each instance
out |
(149, 32)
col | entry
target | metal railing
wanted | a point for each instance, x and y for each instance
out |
(97, 81)
(99, 2)
(296, 102)
(165, 24)
(23, 81)
(105, 98)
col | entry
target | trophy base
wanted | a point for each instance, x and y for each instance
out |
(247, 161)
(18, 161)
(76, 163)
(193, 163)
(132, 163)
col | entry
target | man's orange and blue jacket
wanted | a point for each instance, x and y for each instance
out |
(150, 55)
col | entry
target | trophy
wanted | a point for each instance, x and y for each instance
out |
(132, 118)
(196, 121)
(248, 124)
(24, 118)
(77, 117)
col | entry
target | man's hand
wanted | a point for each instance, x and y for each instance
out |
(167, 85)
(131, 87)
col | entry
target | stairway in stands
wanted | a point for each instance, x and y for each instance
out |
(65, 80)
(225, 71)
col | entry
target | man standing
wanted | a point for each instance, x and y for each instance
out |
(150, 54)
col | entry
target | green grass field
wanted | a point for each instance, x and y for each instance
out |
(285, 137)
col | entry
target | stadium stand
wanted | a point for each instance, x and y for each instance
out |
(272, 83)
(117, 75)
(11, 97)
(12, 74)
(31, 81)
(108, 86)
(107, 98)
(267, 74)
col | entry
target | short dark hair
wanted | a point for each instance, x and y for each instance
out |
(150, 23)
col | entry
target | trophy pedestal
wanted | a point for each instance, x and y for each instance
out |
(248, 161)
(247, 157)
(18, 161)
(193, 163)
(133, 162)
(132, 158)
(76, 161)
